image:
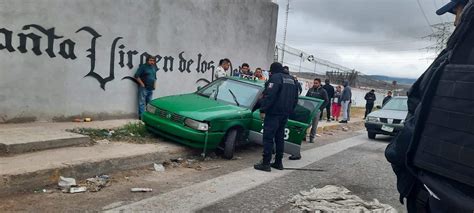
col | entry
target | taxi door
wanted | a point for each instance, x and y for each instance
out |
(295, 130)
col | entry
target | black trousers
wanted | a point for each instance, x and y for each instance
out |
(273, 133)
(368, 109)
(328, 111)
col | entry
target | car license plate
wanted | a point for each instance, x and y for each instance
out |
(387, 128)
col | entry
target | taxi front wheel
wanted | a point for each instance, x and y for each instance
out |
(229, 143)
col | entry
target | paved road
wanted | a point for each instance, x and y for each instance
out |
(356, 163)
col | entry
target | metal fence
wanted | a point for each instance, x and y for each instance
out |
(300, 61)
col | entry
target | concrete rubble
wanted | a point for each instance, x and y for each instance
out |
(335, 199)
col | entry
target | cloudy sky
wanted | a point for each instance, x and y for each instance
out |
(372, 36)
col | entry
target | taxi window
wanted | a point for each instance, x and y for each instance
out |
(231, 92)
(303, 111)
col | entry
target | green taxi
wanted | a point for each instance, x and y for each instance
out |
(219, 117)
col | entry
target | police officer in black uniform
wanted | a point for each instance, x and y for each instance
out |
(278, 102)
(432, 156)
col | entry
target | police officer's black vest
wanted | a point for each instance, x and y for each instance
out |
(445, 135)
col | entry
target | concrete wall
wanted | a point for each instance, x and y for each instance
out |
(44, 68)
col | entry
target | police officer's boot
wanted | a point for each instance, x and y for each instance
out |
(264, 165)
(278, 162)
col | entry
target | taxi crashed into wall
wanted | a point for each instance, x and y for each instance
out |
(219, 117)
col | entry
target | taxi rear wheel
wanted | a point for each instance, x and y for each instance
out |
(229, 144)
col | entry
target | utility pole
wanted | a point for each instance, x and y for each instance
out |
(284, 31)
(301, 61)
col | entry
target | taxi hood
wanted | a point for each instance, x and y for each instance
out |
(198, 107)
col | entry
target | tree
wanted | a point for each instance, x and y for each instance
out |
(442, 32)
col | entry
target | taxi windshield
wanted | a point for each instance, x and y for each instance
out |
(231, 92)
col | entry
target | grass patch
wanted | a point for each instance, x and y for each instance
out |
(134, 132)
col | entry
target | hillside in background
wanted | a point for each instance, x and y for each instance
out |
(389, 79)
(369, 81)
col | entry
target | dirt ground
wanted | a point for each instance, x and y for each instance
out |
(176, 175)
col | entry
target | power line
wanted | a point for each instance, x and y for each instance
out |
(424, 15)
(379, 42)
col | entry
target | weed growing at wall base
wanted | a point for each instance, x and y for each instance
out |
(133, 132)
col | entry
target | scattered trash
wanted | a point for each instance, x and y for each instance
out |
(43, 191)
(210, 168)
(141, 190)
(131, 134)
(159, 167)
(345, 128)
(110, 133)
(73, 190)
(103, 141)
(335, 199)
(77, 120)
(87, 119)
(237, 158)
(177, 160)
(66, 183)
(95, 184)
(186, 163)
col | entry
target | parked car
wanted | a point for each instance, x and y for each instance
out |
(388, 120)
(219, 117)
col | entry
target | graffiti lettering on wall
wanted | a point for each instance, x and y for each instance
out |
(34, 34)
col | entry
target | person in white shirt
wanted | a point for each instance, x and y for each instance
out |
(223, 69)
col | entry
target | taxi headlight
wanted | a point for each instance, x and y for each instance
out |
(150, 109)
(196, 124)
(372, 119)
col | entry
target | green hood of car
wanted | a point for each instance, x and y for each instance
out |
(198, 107)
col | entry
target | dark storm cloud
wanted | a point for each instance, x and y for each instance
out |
(390, 24)
(355, 32)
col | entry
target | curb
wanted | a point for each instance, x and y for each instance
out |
(49, 177)
(6, 149)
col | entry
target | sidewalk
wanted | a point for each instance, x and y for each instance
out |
(68, 125)
(327, 126)
(34, 155)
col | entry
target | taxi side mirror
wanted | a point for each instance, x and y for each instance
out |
(199, 88)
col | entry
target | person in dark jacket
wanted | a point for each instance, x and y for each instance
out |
(387, 98)
(370, 101)
(317, 91)
(278, 102)
(432, 155)
(146, 79)
(330, 90)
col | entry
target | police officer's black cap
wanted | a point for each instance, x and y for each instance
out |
(449, 7)
(276, 67)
